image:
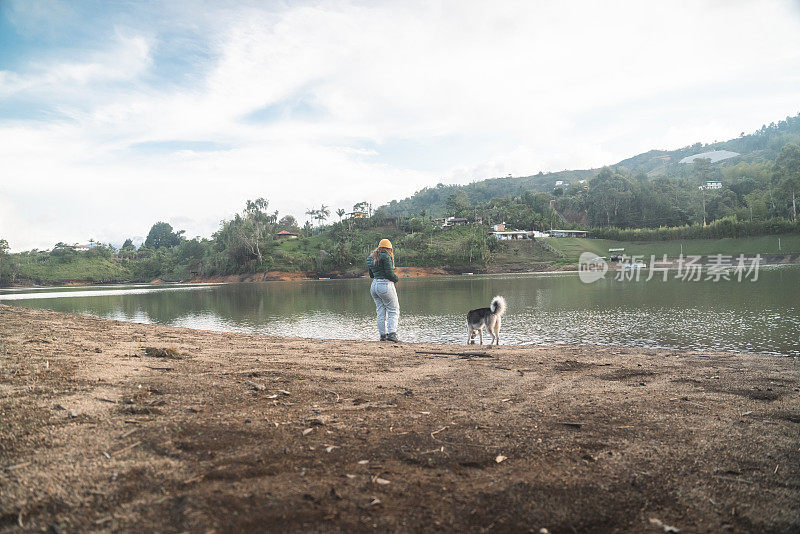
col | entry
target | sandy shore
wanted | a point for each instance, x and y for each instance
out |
(253, 433)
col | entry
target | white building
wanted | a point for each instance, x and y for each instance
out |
(512, 234)
(449, 222)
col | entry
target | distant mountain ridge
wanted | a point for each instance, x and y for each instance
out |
(761, 145)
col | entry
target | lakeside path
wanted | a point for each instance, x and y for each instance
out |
(255, 433)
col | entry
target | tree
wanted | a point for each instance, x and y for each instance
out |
(756, 202)
(457, 203)
(787, 167)
(63, 252)
(3, 253)
(242, 238)
(8, 268)
(610, 198)
(128, 245)
(702, 168)
(312, 213)
(322, 214)
(289, 223)
(256, 225)
(340, 212)
(161, 235)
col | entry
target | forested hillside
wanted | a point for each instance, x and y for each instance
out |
(433, 201)
(758, 151)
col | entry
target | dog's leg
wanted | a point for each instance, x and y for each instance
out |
(490, 330)
(497, 331)
(470, 335)
(480, 333)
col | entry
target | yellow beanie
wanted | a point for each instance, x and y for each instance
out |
(385, 243)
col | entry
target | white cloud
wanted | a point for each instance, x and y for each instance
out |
(125, 60)
(529, 86)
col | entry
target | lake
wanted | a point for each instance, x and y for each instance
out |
(552, 308)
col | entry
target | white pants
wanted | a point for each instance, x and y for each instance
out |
(386, 305)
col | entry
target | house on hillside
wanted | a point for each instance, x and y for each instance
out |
(283, 234)
(512, 234)
(449, 222)
(712, 184)
(500, 232)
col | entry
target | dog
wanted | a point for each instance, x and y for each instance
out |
(489, 317)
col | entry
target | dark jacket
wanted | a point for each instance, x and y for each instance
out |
(383, 269)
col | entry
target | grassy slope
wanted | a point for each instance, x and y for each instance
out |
(520, 255)
(573, 247)
(52, 271)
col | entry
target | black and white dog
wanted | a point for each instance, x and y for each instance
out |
(489, 317)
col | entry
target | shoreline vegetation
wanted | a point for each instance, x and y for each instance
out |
(422, 248)
(517, 261)
(124, 427)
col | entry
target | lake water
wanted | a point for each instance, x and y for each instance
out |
(760, 316)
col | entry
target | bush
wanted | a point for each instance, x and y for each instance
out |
(721, 228)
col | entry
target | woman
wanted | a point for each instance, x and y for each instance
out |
(381, 269)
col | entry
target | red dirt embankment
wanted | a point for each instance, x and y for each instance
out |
(254, 277)
(253, 433)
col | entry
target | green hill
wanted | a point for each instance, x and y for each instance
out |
(762, 145)
(432, 201)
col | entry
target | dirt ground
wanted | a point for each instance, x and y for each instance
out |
(254, 433)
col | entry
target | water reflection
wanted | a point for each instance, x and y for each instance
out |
(760, 316)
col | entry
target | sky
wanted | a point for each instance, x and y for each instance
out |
(116, 114)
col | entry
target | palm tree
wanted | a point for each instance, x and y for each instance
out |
(323, 213)
(314, 214)
(340, 212)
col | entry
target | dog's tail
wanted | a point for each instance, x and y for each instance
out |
(498, 305)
